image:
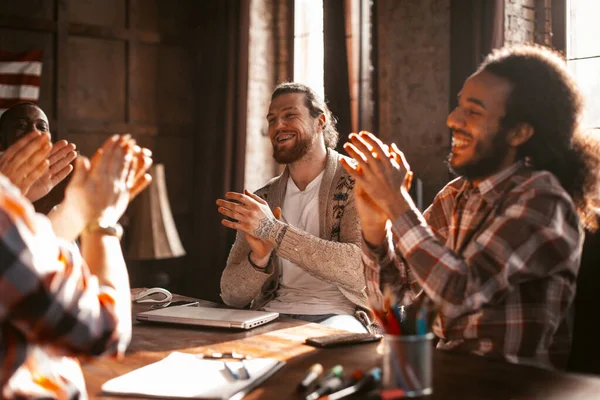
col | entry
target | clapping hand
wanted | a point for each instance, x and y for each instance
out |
(383, 178)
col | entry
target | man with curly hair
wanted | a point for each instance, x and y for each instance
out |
(499, 249)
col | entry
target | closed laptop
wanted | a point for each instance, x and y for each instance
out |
(206, 316)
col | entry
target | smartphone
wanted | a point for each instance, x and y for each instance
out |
(342, 339)
(175, 303)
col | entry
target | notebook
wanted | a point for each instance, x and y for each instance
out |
(206, 316)
(181, 375)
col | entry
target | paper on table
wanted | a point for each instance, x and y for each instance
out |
(189, 376)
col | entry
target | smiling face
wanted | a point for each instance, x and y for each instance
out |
(22, 120)
(480, 148)
(293, 132)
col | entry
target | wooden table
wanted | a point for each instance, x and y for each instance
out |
(455, 376)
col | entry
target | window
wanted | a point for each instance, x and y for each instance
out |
(583, 54)
(308, 44)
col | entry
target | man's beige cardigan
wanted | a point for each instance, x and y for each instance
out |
(334, 256)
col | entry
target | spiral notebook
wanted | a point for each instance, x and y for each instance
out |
(181, 375)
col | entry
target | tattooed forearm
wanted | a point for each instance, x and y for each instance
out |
(280, 233)
(270, 229)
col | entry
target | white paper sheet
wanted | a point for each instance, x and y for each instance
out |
(189, 376)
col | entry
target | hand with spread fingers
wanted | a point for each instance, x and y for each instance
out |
(101, 189)
(60, 158)
(250, 214)
(382, 176)
(26, 161)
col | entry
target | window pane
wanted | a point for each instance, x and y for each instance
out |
(308, 44)
(587, 74)
(583, 27)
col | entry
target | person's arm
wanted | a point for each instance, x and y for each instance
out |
(70, 307)
(241, 282)
(536, 235)
(54, 300)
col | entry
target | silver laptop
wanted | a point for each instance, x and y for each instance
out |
(205, 316)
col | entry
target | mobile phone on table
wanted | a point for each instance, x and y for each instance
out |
(342, 339)
(175, 303)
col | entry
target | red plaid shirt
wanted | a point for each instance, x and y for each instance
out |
(51, 308)
(500, 260)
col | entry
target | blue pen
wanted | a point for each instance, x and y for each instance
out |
(421, 323)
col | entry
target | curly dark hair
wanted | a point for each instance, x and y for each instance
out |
(546, 96)
(316, 106)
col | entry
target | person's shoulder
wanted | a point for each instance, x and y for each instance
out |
(262, 191)
(538, 195)
(538, 183)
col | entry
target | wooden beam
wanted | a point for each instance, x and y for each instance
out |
(141, 129)
(89, 30)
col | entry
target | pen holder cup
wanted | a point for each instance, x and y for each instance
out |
(407, 363)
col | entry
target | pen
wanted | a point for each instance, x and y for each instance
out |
(311, 376)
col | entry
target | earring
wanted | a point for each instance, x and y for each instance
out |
(528, 161)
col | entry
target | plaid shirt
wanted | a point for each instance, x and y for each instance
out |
(500, 261)
(51, 307)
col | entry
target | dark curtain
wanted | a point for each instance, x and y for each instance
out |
(336, 78)
(340, 33)
(221, 56)
(476, 28)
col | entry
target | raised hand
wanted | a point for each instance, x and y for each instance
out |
(60, 158)
(100, 190)
(26, 160)
(382, 173)
(142, 161)
(251, 215)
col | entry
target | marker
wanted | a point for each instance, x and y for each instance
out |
(327, 386)
(363, 385)
(330, 383)
(336, 371)
(311, 376)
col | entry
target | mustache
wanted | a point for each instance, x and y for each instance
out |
(462, 132)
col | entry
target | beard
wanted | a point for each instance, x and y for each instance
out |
(289, 155)
(488, 158)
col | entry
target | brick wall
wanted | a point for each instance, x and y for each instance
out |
(413, 84)
(527, 21)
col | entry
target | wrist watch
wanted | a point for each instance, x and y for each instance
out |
(105, 229)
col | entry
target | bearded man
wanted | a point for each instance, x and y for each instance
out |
(297, 250)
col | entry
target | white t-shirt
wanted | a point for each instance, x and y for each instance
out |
(300, 292)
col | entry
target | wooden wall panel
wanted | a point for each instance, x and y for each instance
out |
(146, 15)
(20, 40)
(28, 8)
(98, 12)
(96, 79)
(174, 87)
(144, 79)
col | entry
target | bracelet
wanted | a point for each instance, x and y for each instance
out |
(256, 266)
(115, 230)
